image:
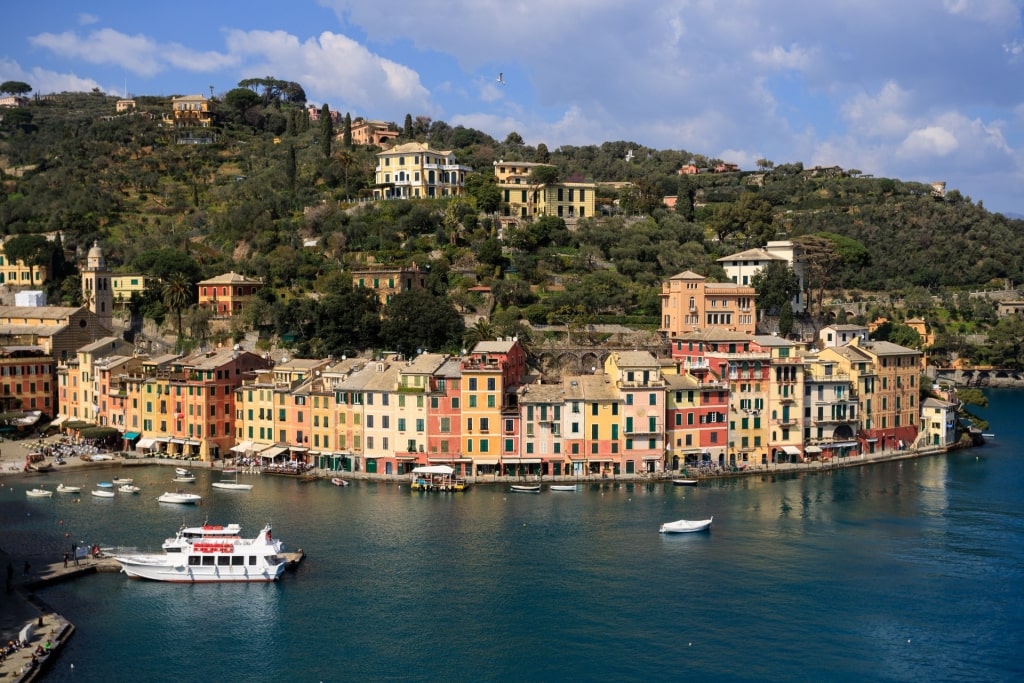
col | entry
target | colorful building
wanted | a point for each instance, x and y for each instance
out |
(415, 171)
(689, 302)
(229, 294)
(522, 197)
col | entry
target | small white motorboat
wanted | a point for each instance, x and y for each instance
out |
(684, 526)
(122, 480)
(38, 492)
(525, 488)
(685, 482)
(105, 484)
(64, 488)
(562, 487)
(185, 478)
(338, 481)
(128, 488)
(103, 493)
(182, 472)
(180, 497)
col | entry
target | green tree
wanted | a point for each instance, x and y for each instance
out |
(543, 155)
(481, 330)
(347, 137)
(177, 295)
(326, 131)
(416, 319)
(483, 187)
(776, 284)
(349, 321)
(786, 319)
(544, 175)
(407, 128)
(15, 88)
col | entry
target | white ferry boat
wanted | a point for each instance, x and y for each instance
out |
(209, 554)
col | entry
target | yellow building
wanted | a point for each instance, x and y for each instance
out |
(17, 274)
(415, 171)
(190, 111)
(125, 286)
(78, 381)
(689, 302)
(387, 281)
(376, 133)
(522, 198)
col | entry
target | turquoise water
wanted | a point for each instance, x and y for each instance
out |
(898, 572)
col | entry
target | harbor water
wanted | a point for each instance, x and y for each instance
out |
(903, 571)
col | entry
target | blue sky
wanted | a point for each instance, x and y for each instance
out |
(920, 90)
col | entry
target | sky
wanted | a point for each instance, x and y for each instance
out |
(920, 90)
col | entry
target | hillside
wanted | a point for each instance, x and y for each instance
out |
(264, 188)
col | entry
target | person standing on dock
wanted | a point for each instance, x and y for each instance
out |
(66, 557)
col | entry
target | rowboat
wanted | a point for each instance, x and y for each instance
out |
(338, 481)
(180, 498)
(128, 488)
(122, 480)
(684, 526)
(65, 488)
(685, 482)
(562, 487)
(525, 488)
(182, 472)
(103, 493)
(38, 493)
(187, 478)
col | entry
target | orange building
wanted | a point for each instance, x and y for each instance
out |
(689, 302)
(228, 294)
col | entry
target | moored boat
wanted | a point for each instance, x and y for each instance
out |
(182, 472)
(562, 487)
(39, 492)
(209, 554)
(185, 478)
(105, 484)
(179, 497)
(685, 482)
(232, 483)
(683, 526)
(128, 488)
(525, 488)
(103, 493)
(338, 481)
(122, 480)
(65, 488)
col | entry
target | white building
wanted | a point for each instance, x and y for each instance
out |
(742, 267)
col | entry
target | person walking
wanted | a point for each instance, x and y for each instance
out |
(66, 557)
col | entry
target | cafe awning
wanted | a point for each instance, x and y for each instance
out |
(812, 449)
(143, 444)
(840, 444)
(59, 420)
(242, 447)
(273, 452)
(131, 435)
(791, 450)
(519, 461)
(485, 461)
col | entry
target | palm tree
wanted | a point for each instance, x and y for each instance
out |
(177, 294)
(481, 330)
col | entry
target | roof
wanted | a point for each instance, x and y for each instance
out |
(231, 278)
(424, 364)
(674, 381)
(494, 346)
(687, 275)
(598, 388)
(102, 344)
(636, 359)
(38, 312)
(715, 334)
(884, 348)
(752, 255)
(542, 393)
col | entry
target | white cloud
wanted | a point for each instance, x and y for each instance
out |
(934, 141)
(87, 19)
(332, 68)
(44, 81)
(793, 58)
(881, 115)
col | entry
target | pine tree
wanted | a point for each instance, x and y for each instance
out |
(348, 131)
(326, 130)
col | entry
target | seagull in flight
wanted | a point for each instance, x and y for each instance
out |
(501, 78)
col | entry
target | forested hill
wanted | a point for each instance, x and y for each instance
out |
(271, 181)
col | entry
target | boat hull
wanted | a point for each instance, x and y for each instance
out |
(180, 498)
(99, 493)
(139, 568)
(231, 486)
(684, 526)
(526, 489)
(560, 487)
(685, 482)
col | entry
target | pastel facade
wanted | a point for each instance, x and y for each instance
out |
(522, 198)
(125, 286)
(841, 334)
(190, 111)
(27, 380)
(78, 382)
(637, 376)
(377, 133)
(415, 171)
(229, 294)
(14, 273)
(938, 423)
(831, 410)
(689, 302)
(388, 281)
(58, 330)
